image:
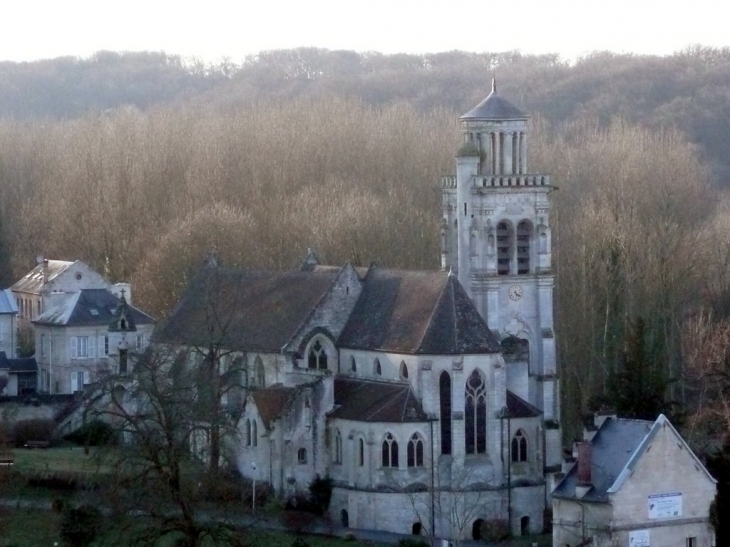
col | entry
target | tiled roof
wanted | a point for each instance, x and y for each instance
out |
(27, 364)
(7, 302)
(519, 408)
(87, 307)
(272, 401)
(246, 310)
(32, 282)
(416, 312)
(373, 401)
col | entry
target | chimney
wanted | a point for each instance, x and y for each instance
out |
(44, 269)
(585, 453)
(585, 456)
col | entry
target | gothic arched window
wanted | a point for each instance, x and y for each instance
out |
(248, 432)
(390, 451)
(505, 245)
(353, 366)
(524, 236)
(258, 379)
(519, 447)
(403, 370)
(445, 407)
(317, 356)
(361, 452)
(254, 433)
(475, 414)
(415, 451)
(377, 369)
(338, 447)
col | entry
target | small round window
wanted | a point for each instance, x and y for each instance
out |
(78, 277)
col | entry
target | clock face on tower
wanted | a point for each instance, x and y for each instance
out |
(515, 292)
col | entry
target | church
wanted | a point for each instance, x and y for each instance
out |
(430, 398)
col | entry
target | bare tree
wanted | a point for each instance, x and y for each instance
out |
(158, 414)
(706, 352)
(456, 499)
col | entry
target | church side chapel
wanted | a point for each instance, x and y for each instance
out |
(428, 397)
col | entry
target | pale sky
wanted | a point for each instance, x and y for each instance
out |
(213, 29)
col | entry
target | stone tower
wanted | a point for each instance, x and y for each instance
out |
(496, 237)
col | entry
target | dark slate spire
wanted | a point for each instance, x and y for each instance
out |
(494, 107)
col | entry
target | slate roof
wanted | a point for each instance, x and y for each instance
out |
(617, 447)
(87, 307)
(18, 365)
(519, 408)
(247, 309)
(7, 302)
(376, 401)
(416, 312)
(494, 107)
(272, 401)
(32, 282)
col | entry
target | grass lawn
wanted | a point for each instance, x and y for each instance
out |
(20, 528)
(32, 528)
(64, 460)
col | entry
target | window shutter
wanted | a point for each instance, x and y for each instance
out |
(92, 352)
(102, 353)
(74, 383)
(74, 351)
(87, 377)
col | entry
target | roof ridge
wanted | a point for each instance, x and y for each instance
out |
(378, 406)
(433, 312)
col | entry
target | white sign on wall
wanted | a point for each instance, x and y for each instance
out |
(663, 506)
(639, 538)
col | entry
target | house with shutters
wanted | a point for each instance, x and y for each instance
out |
(85, 334)
(83, 325)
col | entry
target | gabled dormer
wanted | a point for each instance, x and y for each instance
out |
(122, 321)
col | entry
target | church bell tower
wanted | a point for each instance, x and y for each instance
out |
(495, 236)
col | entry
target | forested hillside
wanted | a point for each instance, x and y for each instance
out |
(140, 163)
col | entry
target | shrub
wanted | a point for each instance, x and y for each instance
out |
(320, 494)
(33, 430)
(408, 542)
(298, 522)
(226, 487)
(80, 526)
(495, 530)
(93, 433)
(56, 481)
(300, 542)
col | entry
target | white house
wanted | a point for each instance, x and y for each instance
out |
(83, 334)
(635, 483)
